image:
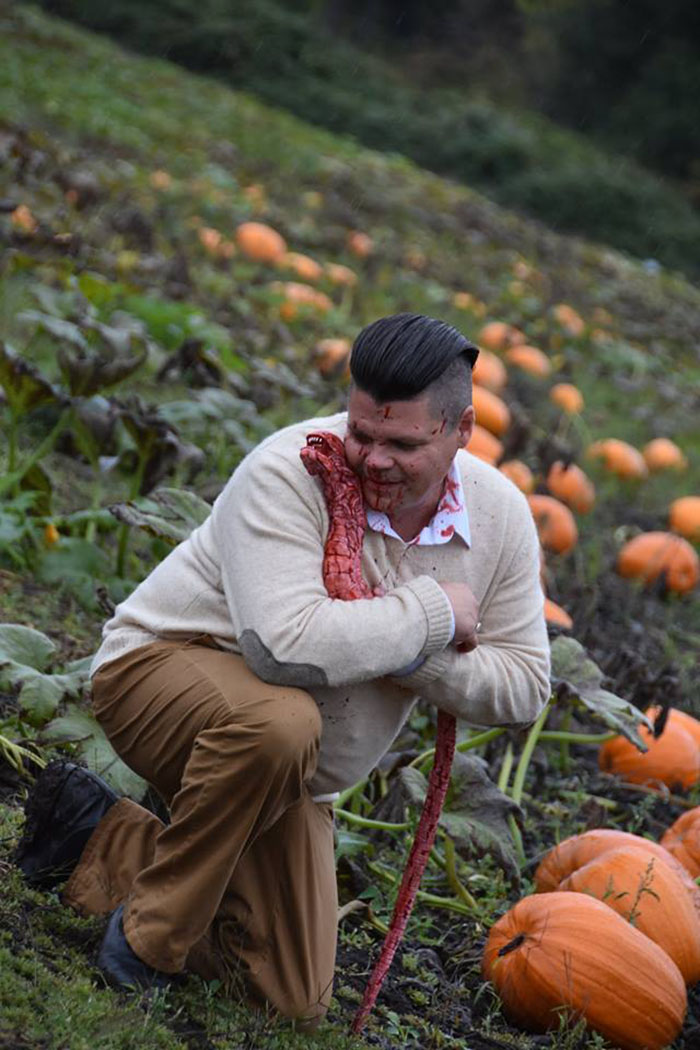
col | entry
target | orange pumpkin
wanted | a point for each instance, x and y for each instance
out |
(577, 850)
(567, 950)
(360, 244)
(339, 274)
(484, 445)
(650, 554)
(618, 457)
(555, 523)
(333, 357)
(568, 318)
(489, 371)
(572, 486)
(644, 890)
(568, 397)
(491, 411)
(519, 473)
(260, 242)
(497, 335)
(684, 517)
(682, 840)
(663, 454)
(555, 615)
(672, 759)
(302, 265)
(530, 359)
(298, 296)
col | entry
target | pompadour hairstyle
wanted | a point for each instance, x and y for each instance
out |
(398, 358)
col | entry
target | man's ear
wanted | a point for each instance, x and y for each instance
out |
(466, 425)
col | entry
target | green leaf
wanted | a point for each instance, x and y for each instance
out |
(81, 728)
(25, 646)
(476, 812)
(171, 514)
(24, 653)
(25, 387)
(576, 678)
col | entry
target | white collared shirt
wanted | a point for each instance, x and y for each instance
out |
(450, 519)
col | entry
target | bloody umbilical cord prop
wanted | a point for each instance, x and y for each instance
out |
(324, 457)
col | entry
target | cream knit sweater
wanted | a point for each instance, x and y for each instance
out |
(250, 577)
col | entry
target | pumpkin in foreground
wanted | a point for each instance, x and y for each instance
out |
(566, 950)
(672, 759)
(682, 840)
(645, 891)
(576, 850)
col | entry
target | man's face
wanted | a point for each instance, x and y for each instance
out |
(401, 451)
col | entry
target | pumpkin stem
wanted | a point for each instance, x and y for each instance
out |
(512, 945)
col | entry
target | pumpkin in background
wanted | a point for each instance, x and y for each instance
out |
(561, 949)
(672, 759)
(339, 274)
(260, 242)
(360, 244)
(489, 371)
(569, 319)
(332, 357)
(555, 615)
(298, 296)
(303, 266)
(618, 457)
(491, 411)
(663, 454)
(572, 486)
(567, 397)
(682, 718)
(519, 473)
(530, 359)
(682, 840)
(576, 850)
(650, 554)
(497, 335)
(555, 523)
(645, 891)
(684, 517)
(485, 445)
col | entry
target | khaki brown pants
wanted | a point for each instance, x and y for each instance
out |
(240, 885)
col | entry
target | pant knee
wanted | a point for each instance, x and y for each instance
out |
(292, 732)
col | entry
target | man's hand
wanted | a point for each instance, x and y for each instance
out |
(466, 614)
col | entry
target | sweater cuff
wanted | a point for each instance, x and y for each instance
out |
(438, 612)
(428, 671)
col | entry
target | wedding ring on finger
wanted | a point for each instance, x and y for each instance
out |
(477, 626)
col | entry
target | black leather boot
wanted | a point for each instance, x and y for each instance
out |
(121, 966)
(62, 810)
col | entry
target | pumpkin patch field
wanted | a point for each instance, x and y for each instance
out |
(183, 271)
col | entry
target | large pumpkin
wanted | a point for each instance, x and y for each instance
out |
(645, 891)
(555, 523)
(682, 840)
(530, 359)
(519, 473)
(663, 454)
(567, 950)
(672, 759)
(652, 554)
(576, 850)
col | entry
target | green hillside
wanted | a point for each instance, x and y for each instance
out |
(143, 352)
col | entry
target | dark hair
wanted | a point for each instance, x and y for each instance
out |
(398, 358)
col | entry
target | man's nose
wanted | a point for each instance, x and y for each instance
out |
(379, 458)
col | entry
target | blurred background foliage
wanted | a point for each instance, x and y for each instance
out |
(582, 113)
